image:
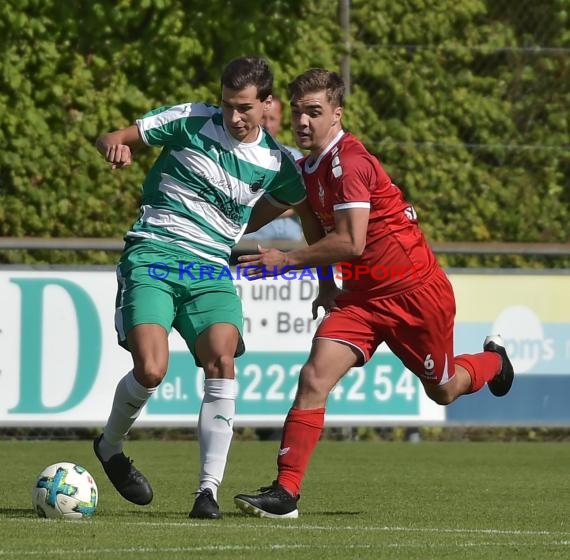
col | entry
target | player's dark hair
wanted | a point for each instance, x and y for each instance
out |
(249, 71)
(318, 79)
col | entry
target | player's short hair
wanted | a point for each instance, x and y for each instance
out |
(318, 79)
(249, 71)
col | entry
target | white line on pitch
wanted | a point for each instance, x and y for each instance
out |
(296, 526)
(281, 524)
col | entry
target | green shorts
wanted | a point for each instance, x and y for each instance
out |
(157, 285)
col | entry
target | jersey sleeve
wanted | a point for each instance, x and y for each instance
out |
(172, 125)
(352, 179)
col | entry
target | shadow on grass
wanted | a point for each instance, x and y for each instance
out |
(137, 513)
(17, 512)
(181, 515)
(239, 515)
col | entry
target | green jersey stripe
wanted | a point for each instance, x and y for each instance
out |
(191, 247)
(158, 118)
(205, 183)
(190, 205)
(175, 225)
(219, 178)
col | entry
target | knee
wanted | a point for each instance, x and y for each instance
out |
(150, 373)
(310, 383)
(440, 395)
(220, 367)
(443, 400)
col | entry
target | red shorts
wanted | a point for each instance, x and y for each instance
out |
(416, 325)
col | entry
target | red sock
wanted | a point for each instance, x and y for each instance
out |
(301, 433)
(481, 367)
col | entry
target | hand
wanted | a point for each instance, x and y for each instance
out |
(119, 155)
(267, 263)
(326, 298)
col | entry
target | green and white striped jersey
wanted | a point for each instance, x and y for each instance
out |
(200, 192)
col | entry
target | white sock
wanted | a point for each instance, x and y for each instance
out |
(215, 430)
(130, 397)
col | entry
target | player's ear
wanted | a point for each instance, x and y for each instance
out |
(267, 103)
(337, 115)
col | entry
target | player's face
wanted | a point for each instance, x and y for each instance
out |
(243, 112)
(272, 119)
(315, 121)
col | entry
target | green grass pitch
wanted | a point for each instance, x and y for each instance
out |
(360, 500)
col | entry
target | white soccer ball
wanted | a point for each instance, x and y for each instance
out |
(65, 491)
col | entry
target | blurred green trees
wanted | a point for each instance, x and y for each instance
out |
(460, 100)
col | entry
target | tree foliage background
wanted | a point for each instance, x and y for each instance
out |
(466, 103)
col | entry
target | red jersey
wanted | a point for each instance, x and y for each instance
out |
(397, 256)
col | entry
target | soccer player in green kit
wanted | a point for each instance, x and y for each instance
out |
(215, 163)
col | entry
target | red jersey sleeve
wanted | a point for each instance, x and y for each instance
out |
(352, 177)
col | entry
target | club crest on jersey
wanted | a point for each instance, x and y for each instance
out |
(256, 183)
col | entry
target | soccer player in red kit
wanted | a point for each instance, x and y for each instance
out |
(394, 289)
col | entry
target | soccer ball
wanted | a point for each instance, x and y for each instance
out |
(64, 491)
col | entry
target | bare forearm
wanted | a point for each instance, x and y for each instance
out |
(328, 250)
(312, 230)
(345, 243)
(102, 144)
(125, 136)
(263, 213)
(257, 221)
